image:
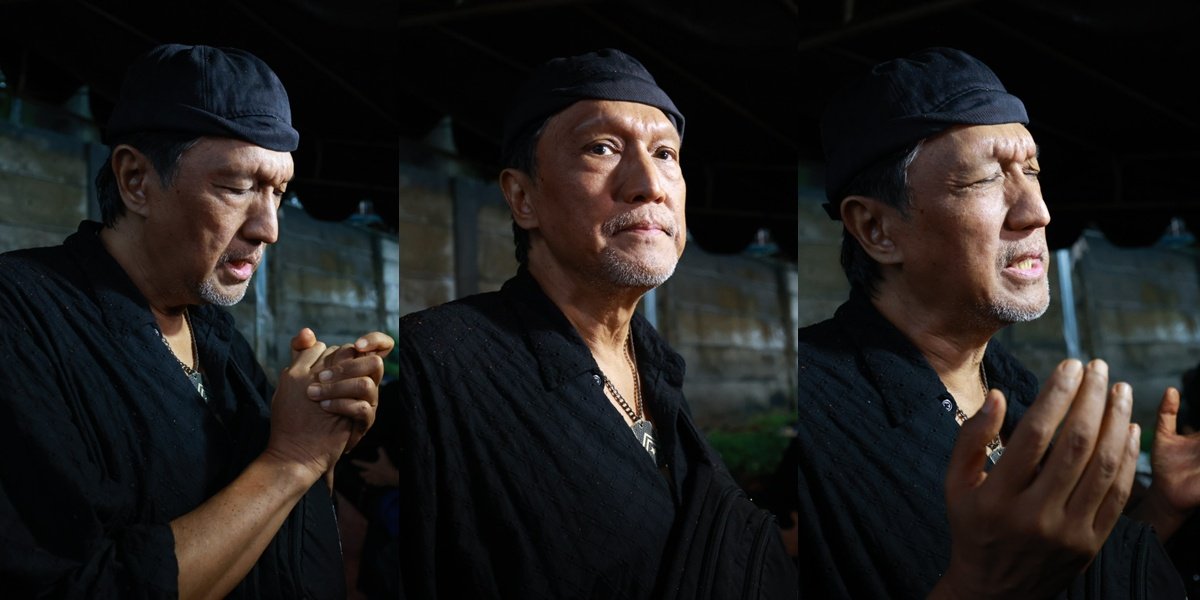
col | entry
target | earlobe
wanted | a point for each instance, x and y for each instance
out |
(871, 223)
(516, 185)
(132, 171)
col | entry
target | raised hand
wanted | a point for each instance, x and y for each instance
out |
(1175, 466)
(1033, 523)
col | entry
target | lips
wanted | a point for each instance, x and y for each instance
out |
(639, 223)
(242, 268)
(1027, 266)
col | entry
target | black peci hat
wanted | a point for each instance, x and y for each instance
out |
(606, 74)
(224, 92)
(905, 100)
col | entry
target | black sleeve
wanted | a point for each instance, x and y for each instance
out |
(57, 505)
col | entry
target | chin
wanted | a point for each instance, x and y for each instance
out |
(215, 293)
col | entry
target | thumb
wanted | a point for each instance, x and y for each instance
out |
(303, 340)
(1168, 414)
(965, 471)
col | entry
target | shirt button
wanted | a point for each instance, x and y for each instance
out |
(596, 378)
(946, 404)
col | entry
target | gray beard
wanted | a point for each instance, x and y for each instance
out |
(623, 273)
(1008, 314)
(209, 294)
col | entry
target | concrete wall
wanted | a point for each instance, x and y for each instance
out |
(43, 187)
(732, 318)
(341, 279)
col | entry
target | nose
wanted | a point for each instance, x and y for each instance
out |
(642, 178)
(262, 220)
(1027, 209)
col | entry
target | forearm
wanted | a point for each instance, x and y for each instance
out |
(217, 543)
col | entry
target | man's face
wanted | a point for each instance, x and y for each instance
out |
(974, 243)
(208, 231)
(609, 194)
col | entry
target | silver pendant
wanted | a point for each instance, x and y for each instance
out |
(643, 431)
(198, 382)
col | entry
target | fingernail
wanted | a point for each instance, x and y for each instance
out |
(314, 391)
(325, 375)
(1072, 367)
(326, 403)
(360, 344)
(1135, 437)
(1098, 367)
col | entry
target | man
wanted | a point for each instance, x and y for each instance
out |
(935, 177)
(548, 450)
(146, 453)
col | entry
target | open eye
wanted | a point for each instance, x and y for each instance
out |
(667, 153)
(602, 149)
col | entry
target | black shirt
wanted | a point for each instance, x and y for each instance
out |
(876, 430)
(105, 440)
(519, 479)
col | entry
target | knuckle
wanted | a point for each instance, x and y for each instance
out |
(1077, 441)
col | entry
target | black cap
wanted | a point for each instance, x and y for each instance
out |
(606, 74)
(202, 90)
(903, 101)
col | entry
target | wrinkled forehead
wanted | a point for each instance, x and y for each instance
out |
(591, 115)
(967, 145)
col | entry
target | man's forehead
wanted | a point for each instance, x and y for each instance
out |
(972, 143)
(234, 157)
(586, 115)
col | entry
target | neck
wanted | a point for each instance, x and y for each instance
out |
(123, 243)
(954, 351)
(600, 313)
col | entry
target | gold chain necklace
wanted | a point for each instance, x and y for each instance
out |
(193, 374)
(995, 447)
(642, 429)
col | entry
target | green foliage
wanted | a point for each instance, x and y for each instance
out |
(752, 450)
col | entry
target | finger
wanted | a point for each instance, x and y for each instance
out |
(341, 353)
(305, 338)
(369, 365)
(356, 388)
(360, 411)
(1168, 414)
(1106, 460)
(967, 460)
(303, 361)
(1114, 502)
(377, 343)
(1073, 447)
(1025, 448)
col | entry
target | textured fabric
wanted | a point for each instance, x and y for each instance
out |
(876, 430)
(519, 479)
(202, 90)
(106, 441)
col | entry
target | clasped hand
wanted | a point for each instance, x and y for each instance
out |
(326, 399)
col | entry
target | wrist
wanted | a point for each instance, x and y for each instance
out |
(289, 470)
(1155, 510)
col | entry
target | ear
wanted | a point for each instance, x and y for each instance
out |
(134, 175)
(517, 185)
(873, 224)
